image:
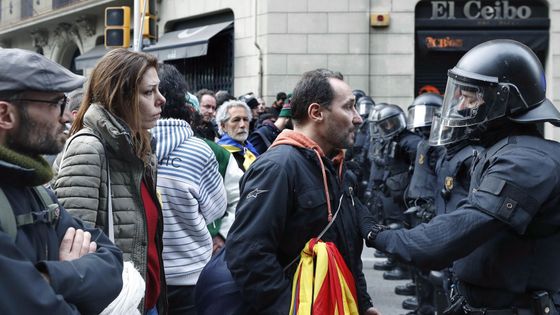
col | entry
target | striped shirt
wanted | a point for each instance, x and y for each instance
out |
(193, 195)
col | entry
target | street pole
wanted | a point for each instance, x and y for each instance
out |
(139, 18)
(136, 42)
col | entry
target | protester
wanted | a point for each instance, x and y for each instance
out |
(50, 262)
(233, 119)
(192, 193)
(207, 101)
(107, 176)
(288, 196)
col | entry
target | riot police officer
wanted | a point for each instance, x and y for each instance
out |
(420, 195)
(393, 157)
(504, 239)
(358, 162)
(421, 112)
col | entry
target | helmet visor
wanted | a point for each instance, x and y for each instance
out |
(391, 126)
(420, 116)
(443, 135)
(467, 104)
(364, 108)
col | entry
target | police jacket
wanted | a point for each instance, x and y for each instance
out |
(391, 170)
(453, 177)
(422, 181)
(282, 206)
(81, 286)
(505, 238)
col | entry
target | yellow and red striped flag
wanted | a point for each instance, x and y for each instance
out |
(323, 284)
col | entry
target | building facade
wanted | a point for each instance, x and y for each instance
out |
(391, 49)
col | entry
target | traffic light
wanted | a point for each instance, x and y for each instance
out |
(150, 7)
(150, 30)
(117, 26)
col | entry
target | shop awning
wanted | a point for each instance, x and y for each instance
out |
(463, 40)
(89, 59)
(187, 43)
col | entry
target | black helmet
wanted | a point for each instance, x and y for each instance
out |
(358, 94)
(498, 78)
(422, 110)
(364, 105)
(386, 120)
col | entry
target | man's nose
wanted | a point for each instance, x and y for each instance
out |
(357, 119)
(66, 116)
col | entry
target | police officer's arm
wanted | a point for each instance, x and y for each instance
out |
(510, 192)
(92, 281)
(252, 244)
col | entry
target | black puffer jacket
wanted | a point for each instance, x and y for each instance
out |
(282, 206)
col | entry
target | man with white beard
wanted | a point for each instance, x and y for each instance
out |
(233, 119)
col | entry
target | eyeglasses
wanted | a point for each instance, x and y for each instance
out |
(61, 102)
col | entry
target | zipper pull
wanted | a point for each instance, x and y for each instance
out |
(351, 190)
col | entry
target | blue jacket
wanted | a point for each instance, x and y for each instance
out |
(81, 286)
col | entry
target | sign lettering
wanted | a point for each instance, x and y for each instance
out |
(474, 10)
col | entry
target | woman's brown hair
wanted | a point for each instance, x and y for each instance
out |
(114, 85)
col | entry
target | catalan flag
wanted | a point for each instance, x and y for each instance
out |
(323, 284)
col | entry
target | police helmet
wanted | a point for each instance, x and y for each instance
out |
(495, 79)
(387, 120)
(364, 105)
(422, 110)
(358, 94)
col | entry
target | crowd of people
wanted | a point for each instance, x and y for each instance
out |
(124, 193)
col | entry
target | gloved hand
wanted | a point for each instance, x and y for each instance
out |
(365, 219)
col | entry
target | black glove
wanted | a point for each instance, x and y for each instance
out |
(365, 219)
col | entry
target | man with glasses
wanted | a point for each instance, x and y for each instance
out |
(50, 262)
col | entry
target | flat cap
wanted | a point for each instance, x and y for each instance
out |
(23, 70)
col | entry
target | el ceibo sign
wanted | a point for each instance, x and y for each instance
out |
(474, 9)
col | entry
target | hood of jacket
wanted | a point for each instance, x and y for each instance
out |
(170, 134)
(113, 130)
(300, 140)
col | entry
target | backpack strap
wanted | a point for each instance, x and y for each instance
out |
(7, 218)
(9, 222)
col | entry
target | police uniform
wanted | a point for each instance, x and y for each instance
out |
(453, 177)
(504, 238)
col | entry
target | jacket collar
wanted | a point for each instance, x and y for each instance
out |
(19, 169)
(113, 130)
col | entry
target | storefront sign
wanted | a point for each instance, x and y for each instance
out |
(443, 42)
(474, 10)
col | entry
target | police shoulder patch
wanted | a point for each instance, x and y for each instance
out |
(448, 183)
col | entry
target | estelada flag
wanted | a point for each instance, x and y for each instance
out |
(323, 284)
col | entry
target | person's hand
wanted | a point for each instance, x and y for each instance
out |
(218, 243)
(372, 311)
(75, 244)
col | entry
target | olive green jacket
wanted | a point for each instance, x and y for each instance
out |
(81, 184)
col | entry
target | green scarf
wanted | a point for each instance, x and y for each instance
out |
(39, 169)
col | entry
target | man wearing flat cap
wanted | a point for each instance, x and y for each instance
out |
(50, 262)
